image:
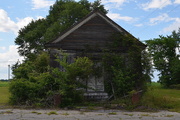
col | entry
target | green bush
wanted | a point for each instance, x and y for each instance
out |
(23, 91)
(36, 85)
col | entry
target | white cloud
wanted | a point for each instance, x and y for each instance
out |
(11, 55)
(113, 3)
(39, 17)
(120, 2)
(25, 21)
(8, 58)
(22, 22)
(153, 4)
(174, 26)
(177, 1)
(6, 23)
(162, 18)
(139, 25)
(116, 16)
(38, 4)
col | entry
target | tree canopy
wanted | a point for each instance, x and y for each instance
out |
(63, 14)
(166, 59)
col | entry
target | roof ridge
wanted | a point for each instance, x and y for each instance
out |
(87, 18)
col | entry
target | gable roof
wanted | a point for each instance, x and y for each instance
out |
(85, 20)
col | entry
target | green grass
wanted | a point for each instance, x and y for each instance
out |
(52, 113)
(160, 98)
(112, 113)
(4, 83)
(38, 113)
(4, 93)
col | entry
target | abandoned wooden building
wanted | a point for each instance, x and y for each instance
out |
(92, 33)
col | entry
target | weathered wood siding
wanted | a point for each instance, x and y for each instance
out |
(94, 34)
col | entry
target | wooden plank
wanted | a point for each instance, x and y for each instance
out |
(94, 34)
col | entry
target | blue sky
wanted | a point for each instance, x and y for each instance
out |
(145, 19)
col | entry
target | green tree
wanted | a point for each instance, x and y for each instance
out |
(165, 55)
(63, 14)
(30, 38)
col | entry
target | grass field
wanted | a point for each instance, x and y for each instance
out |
(4, 93)
(161, 98)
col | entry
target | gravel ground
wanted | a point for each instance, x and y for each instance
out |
(20, 114)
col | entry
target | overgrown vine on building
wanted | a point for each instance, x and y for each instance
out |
(124, 67)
